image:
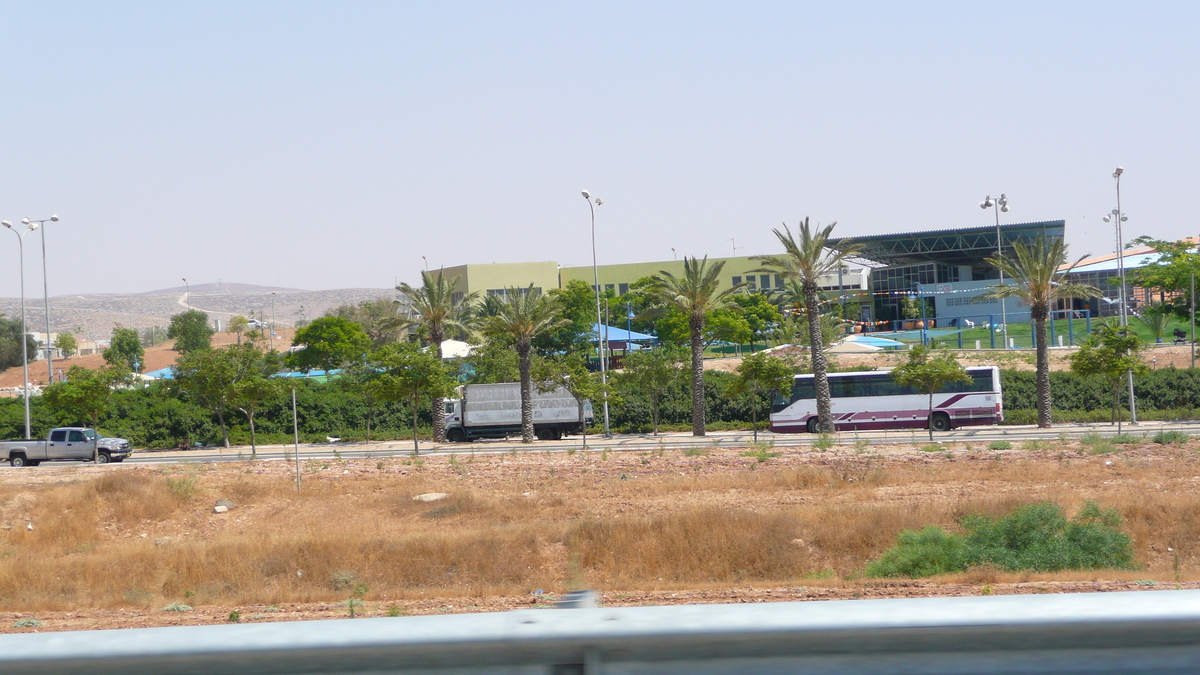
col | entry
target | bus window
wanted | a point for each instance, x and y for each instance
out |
(803, 389)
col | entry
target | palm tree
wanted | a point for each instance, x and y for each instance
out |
(1037, 270)
(806, 260)
(522, 315)
(436, 309)
(696, 293)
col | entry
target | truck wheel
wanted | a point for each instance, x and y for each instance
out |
(17, 460)
(940, 422)
(103, 458)
(456, 436)
(545, 434)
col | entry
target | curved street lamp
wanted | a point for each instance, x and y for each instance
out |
(189, 293)
(998, 205)
(24, 330)
(45, 291)
(599, 337)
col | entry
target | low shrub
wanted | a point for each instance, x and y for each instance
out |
(999, 445)
(921, 553)
(1126, 439)
(1170, 437)
(1035, 537)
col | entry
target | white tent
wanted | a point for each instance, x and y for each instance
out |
(456, 349)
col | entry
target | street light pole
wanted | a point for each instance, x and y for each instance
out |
(1117, 216)
(599, 338)
(189, 293)
(997, 205)
(271, 337)
(24, 328)
(45, 291)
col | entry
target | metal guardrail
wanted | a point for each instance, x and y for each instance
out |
(1130, 632)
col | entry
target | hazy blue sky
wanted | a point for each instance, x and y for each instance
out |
(322, 145)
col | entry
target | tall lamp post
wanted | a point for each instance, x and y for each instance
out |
(1117, 216)
(599, 337)
(24, 330)
(998, 205)
(189, 293)
(271, 338)
(45, 291)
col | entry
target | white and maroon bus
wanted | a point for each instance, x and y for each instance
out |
(873, 400)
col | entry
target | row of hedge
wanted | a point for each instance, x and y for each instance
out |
(154, 418)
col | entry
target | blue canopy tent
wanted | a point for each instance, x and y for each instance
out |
(629, 341)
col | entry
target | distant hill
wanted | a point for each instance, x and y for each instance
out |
(225, 288)
(94, 316)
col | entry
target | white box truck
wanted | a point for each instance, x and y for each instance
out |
(494, 411)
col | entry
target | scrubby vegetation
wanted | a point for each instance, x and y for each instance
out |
(1035, 537)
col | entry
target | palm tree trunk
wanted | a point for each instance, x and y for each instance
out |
(816, 353)
(1043, 371)
(697, 326)
(439, 408)
(526, 392)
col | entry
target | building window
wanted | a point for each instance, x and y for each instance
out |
(609, 287)
(622, 288)
(750, 285)
(737, 281)
(778, 282)
(765, 282)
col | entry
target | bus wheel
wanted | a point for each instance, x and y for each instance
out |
(940, 422)
(814, 425)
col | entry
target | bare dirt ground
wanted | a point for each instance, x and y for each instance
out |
(826, 514)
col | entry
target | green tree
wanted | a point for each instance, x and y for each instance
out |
(67, 344)
(1171, 272)
(807, 259)
(1034, 269)
(329, 342)
(929, 370)
(762, 317)
(381, 319)
(523, 315)
(190, 331)
(85, 394)
(239, 324)
(125, 349)
(10, 343)
(209, 377)
(760, 374)
(578, 303)
(437, 310)
(654, 373)
(255, 385)
(795, 329)
(408, 375)
(493, 362)
(1110, 352)
(570, 372)
(696, 294)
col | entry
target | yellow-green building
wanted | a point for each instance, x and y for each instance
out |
(494, 278)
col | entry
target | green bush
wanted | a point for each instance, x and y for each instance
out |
(922, 553)
(999, 445)
(1035, 537)
(1170, 437)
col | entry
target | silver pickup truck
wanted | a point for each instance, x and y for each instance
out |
(65, 443)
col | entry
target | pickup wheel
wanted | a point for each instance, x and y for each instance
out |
(18, 460)
(103, 458)
(456, 435)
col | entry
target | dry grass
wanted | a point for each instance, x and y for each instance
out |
(129, 536)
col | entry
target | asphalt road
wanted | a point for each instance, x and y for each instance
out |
(646, 442)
